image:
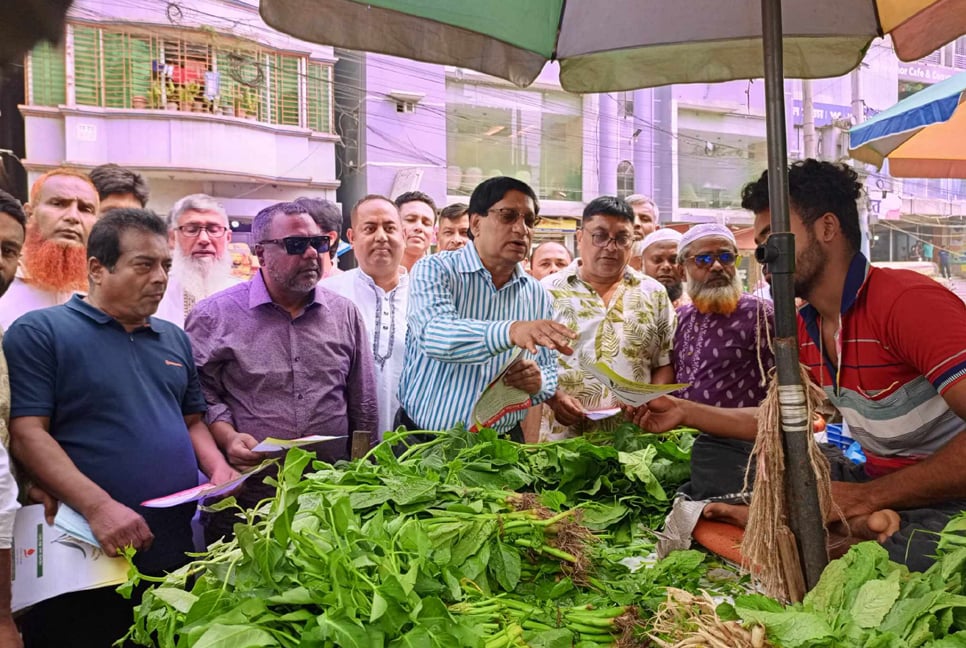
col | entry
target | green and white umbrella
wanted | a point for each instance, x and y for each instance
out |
(613, 45)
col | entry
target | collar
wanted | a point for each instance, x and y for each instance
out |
(369, 281)
(468, 261)
(78, 304)
(856, 278)
(571, 272)
(258, 292)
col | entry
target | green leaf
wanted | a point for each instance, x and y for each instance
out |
(558, 638)
(873, 601)
(789, 628)
(379, 606)
(637, 465)
(344, 632)
(504, 564)
(224, 636)
(179, 599)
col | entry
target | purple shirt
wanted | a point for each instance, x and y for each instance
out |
(718, 354)
(271, 375)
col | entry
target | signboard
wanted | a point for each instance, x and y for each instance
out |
(924, 73)
(824, 113)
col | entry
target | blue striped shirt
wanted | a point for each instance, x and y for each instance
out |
(459, 336)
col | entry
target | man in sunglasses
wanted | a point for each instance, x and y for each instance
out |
(201, 264)
(280, 356)
(720, 351)
(622, 318)
(470, 307)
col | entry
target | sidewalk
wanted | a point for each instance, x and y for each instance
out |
(956, 284)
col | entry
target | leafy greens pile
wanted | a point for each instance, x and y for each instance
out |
(465, 540)
(864, 599)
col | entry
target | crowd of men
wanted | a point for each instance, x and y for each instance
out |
(132, 350)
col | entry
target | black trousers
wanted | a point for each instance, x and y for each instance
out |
(515, 433)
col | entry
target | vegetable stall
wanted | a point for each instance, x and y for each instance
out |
(472, 540)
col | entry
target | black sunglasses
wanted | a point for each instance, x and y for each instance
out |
(299, 244)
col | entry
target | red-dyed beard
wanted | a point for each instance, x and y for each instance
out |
(52, 265)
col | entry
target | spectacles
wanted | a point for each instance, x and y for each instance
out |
(602, 240)
(299, 244)
(193, 229)
(707, 260)
(508, 216)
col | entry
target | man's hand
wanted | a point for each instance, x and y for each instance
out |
(38, 495)
(567, 410)
(116, 526)
(524, 374)
(546, 333)
(660, 415)
(239, 451)
(222, 474)
(853, 500)
(9, 635)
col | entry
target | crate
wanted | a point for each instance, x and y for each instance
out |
(833, 432)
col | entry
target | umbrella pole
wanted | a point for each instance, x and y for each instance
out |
(801, 491)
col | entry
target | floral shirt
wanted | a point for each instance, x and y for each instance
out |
(632, 334)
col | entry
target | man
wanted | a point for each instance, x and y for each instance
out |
(887, 347)
(548, 258)
(721, 350)
(453, 228)
(622, 318)
(62, 209)
(379, 287)
(659, 259)
(468, 309)
(418, 214)
(944, 264)
(279, 356)
(646, 215)
(201, 265)
(329, 217)
(119, 187)
(103, 396)
(13, 224)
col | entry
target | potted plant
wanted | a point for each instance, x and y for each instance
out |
(139, 102)
(188, 97)
(171, 96)
(246, 105)
(155, 94)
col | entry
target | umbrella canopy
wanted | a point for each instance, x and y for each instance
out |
(612, 45)
(923, 136)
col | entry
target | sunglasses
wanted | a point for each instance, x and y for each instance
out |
(299, 244)
(509, 216)
(707, 260)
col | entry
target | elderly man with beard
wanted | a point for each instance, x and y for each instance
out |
(62, 209)
(201, 264)
(721, 351)
(622, 318)
(281, 356)
(379, 287)
(659, 259)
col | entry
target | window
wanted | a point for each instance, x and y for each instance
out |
(191, 71)
(959, 53)
(534, 136)
(625, 179)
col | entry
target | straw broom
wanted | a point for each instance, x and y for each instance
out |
(778, 573)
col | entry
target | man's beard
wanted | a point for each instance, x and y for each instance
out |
(721, 300)
(674, 291)
(808, 267)
(201, 278)
(52, 265)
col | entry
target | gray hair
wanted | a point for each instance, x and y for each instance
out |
(641, 199)
(195, 202)
(263, 220)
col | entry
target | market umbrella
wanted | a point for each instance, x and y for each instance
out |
(922, 136)
(611, 45)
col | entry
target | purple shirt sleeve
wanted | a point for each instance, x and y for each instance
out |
(209, 355)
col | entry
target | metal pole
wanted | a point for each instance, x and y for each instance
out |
(804, 513)
(809, 146)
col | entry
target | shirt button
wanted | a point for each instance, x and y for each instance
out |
(300, 396)
(296, 359)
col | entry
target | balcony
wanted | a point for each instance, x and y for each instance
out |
(218, 147)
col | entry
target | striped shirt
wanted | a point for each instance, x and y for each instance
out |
(901, 346)
(458, 337)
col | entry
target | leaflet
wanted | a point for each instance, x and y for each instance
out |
(47, 562)
(600, 415)
(632, 393)
(205, 490)
(271, 444)
(74, 524)
(499, 399)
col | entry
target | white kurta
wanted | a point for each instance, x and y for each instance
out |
(384, 315)
(23, 297)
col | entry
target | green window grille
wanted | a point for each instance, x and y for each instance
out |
(48, 82)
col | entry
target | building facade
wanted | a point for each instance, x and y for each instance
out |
(199, 97)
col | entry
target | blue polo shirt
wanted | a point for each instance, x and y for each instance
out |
(116, 402)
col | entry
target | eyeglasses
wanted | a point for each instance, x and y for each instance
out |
(299, 244)
(707, 260)
(602, 240)
(508, 216)
(193, 229)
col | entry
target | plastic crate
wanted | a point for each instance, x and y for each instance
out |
(834, 435)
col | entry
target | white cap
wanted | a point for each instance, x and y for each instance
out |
(706, 230)
(662, 235)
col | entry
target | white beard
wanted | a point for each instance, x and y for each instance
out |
(204, 277)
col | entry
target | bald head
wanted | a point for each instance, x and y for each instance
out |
(548, 258)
